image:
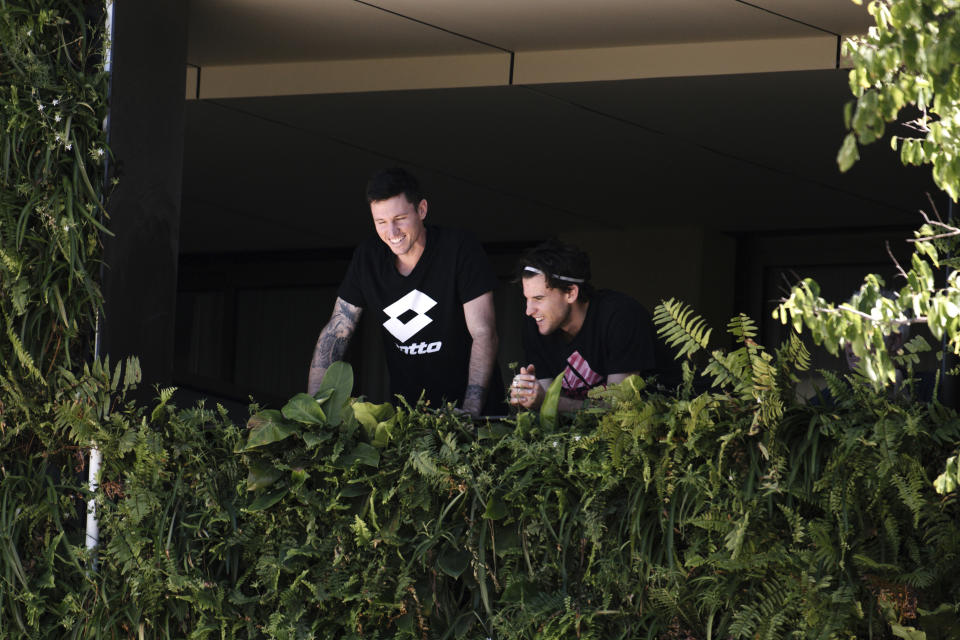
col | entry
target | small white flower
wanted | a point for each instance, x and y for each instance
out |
(576, 438)
(99, 153)
(58, 137)
(66, 227)
(57, 118)
(29, 32)
(554, 443)
(55, 102)
(69, 146)
(39, 107)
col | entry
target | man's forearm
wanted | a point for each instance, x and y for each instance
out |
(330, 348)
(333, 341)
(482, 358)
(569, 405)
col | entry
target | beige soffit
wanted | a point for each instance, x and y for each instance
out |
(676, 60)
(350, 76)
(529, 67)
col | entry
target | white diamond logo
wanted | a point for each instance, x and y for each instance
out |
(413, 301)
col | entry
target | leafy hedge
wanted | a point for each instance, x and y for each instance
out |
(52, 108)
(687, 515)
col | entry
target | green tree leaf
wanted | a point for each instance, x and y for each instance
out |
(267, 427)
(261, 475)
(496, 509)
(453, 562)
(268, 500)
(848, 153)
(550, 409)
(372, 417)
(338, 381)
(363, 453)
(304, 408)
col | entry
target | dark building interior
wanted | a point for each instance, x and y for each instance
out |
(235, 217)
(718, 190)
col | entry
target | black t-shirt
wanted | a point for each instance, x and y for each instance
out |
(425, 335)
(617, 336)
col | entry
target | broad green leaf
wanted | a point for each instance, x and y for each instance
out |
(848, 153)
(453, 562)
(494, 431)
(312, 439)
(495, 510)
(371, 415)
(298, 477)
(353, 489)
(549, 410)
(520, 590)
(268, 427)
(268, 500)
(262, 475)
(506, 539)
(946, 482)
(363, 453)
(384, 433)
(304, 408)
(908, 633)
(338, 382)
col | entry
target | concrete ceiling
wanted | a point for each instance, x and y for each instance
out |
(733, 151)
(230, 32)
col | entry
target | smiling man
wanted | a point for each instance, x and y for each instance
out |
(594, 338)
(432, 289)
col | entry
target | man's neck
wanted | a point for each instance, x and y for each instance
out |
(578, 314)
(408, 262)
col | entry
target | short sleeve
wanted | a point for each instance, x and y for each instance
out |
(474, 274)
(629, 340)
(351, 289)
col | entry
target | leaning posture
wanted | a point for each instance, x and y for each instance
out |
(432, 291)
(593, 337)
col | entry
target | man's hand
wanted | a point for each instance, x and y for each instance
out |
(525, 390)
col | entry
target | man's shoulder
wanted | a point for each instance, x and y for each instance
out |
(611, 300)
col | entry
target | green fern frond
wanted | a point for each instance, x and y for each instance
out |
(793, 354)
(907, 357)
(728, 369)
(837, 386)
(680, 327)
(24, 358)
(743, 328)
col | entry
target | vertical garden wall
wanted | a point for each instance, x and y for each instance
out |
(724, 508)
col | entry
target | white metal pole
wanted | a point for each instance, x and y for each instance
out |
(93, 525)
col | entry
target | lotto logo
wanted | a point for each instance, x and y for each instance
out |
(414, 301)
(416, 349)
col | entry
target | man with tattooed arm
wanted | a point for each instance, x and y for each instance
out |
(432, 291)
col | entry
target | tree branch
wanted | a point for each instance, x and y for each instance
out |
(903, 274)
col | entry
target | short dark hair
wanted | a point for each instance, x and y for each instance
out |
(558, 262)
(387, 183)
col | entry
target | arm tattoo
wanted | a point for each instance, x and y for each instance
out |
(330, 348)
(333, 340)
(475, 393)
